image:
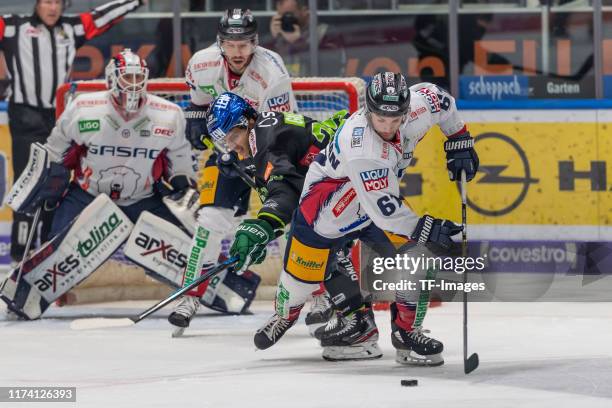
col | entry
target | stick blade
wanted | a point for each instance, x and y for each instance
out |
(100, 323)
(471, 363)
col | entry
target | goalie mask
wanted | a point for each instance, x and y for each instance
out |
(126, 78)
(227, 112)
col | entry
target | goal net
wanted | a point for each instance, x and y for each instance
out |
(119, 279)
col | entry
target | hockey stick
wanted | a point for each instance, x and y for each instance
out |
(28, 242)
(471, 363)
(245, 177)
(101, 322)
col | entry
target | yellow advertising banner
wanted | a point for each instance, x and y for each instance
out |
(6, 171)
(530, 173)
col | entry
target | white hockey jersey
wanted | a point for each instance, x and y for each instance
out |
(355, 181)
(121, 158)
(265, 83)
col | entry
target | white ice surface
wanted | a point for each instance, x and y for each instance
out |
(532, 355)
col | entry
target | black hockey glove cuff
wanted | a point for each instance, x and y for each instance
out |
(438, 231)
(460, 155)
(195, 129)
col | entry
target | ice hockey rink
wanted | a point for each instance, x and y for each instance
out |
(532, 355)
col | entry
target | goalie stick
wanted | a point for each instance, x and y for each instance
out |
(471, 363)
(101, 322)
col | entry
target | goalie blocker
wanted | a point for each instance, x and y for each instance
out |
(67, 259)
(163, 250)
(42, 180)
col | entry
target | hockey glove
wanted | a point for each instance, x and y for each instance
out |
(225, 163)
(195, 129)
(250, 243)
(460, 155)
(435, 230)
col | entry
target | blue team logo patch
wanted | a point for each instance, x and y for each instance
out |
(357, 137)
(279, 103)
(375, 179)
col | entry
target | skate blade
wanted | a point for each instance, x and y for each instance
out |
(178, 332)
(409, 357)
(364, 351)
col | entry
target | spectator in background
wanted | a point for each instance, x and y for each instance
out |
(289, 29)
(39, 50)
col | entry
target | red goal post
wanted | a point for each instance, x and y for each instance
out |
(314, 95)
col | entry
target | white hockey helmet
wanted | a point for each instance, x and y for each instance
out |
(126, 77)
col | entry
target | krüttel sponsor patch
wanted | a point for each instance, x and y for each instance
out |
(306, 263)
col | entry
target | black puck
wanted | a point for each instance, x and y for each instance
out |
(409, 383)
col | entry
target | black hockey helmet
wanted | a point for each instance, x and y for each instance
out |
(237, 24)
(387, 94)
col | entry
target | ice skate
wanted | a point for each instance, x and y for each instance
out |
(412, 346)
(353, 337)
(321, 311)
(184, 311)
(274, 329)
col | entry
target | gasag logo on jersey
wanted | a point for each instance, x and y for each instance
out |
(163, 131)
(157, 246)
(123, 151)
(279, 103)
(92, 125)
(375, 179)
(357, 137)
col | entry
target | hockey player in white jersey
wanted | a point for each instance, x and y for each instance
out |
(125, 149)
(352, 191)
(234, 63)
(123, 142)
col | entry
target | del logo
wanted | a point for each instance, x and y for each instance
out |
(375, 179)
(89, 125)
(279, 103)
(168, 252)
(162, 131)
(98, 234)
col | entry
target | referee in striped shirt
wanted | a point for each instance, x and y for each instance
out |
(39, 50)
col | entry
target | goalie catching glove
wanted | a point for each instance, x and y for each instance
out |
(250, 243)
(430, 229)
(460, 155)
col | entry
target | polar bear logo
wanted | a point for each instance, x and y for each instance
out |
(118, 182)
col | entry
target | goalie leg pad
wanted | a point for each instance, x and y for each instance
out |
(163, 250)
(66, 260)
